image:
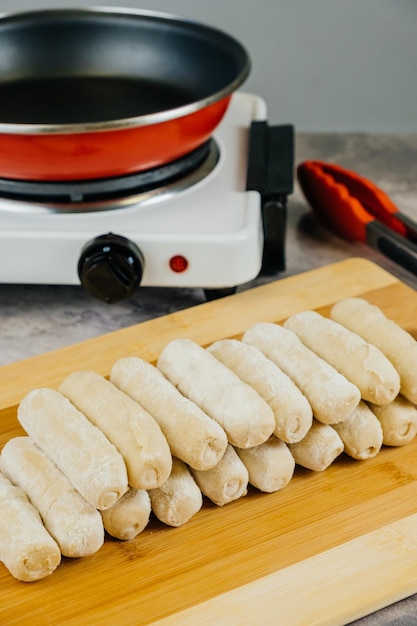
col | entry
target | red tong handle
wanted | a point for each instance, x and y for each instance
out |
(347, 202)
(356, 209)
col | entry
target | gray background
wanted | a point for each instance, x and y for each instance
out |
(323, 65)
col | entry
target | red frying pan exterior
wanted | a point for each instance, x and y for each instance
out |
(81, 156)
(102, 92)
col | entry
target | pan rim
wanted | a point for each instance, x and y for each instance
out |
(134, 121)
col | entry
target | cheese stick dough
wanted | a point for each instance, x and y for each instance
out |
(227, 481)
(292, 411)
(26, 548)
(398, 420)
(270, 465)
(75, 524)
(81, 451)
(129, 516)
(192, 435)
(179, 498)
(319, 448)
(130, 428)
(368, 321)
(331, 396)
(359, 361)
(235, 405)
(361, 433)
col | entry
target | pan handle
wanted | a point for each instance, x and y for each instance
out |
(393, 245)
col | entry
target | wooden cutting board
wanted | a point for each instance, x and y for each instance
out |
(329, 548)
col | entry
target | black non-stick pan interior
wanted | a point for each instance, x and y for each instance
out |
(77, 66)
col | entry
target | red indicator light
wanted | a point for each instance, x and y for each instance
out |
(178, 263)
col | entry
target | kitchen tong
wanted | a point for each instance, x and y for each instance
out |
(356, 209)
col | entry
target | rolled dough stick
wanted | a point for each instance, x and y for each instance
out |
(129, 516)
(179, 498)
(192, 435)
(227, 481)
(75, 524)
(270, 465)
(235, 405)
(361, 433)
(130, 428)
(88, 459)
(331, 396)
(319, 448)
(26, 548)
(398, 420)
(358, 360)
(368, 321)
(292, 411)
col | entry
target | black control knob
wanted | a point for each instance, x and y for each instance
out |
(110, 267)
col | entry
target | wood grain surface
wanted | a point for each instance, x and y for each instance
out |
(329, 548)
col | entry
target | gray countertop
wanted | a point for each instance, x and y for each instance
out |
(36, 319)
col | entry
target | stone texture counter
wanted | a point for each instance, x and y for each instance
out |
(36, 319)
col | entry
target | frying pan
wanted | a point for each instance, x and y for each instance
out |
(98, 92)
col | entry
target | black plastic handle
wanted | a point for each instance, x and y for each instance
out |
(409, 223)
(393, 245)
(271, 173)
